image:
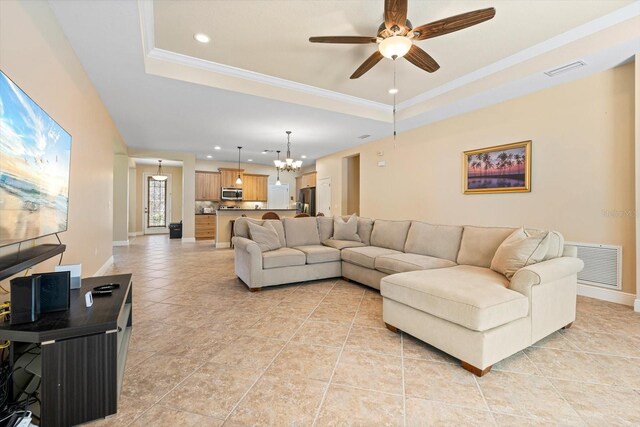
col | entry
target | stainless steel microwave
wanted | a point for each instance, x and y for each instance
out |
(231, 193)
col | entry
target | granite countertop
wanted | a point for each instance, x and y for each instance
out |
(213, 213)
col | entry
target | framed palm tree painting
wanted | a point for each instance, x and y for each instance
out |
(500, 169)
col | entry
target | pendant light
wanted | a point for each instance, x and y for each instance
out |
(159, 176)
(278, 169)
(239, 180)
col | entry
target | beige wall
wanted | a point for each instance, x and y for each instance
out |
(351, 185)
(133, 201)
(120, 198)
(583, 166)
(35, 53)
(637, 181)
(175, 192)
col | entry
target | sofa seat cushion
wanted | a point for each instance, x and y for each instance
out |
(474, 297)
(366, 255)
(401, 263)
(283, 257)
(318, 253)
(342, 244)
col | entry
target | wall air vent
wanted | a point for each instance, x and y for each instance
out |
(365, 136)
(602, 265)
(565, 68)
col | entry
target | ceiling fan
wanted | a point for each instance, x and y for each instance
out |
(396, 36)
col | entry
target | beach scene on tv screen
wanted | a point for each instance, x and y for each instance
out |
(34, 168)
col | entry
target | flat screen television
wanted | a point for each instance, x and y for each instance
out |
(35, 153)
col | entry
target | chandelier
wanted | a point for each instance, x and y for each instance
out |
(289, 165)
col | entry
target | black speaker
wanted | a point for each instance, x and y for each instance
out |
(25, 299)
(54, 291)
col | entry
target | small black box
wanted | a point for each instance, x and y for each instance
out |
(25, 299)
(54, 291)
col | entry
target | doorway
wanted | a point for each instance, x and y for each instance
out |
(324, 196)
(156, 214)
(351, 185)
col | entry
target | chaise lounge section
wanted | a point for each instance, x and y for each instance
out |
(438, 282)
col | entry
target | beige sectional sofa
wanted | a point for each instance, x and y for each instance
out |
(435, 280)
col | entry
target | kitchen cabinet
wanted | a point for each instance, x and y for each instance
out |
(255, 187)
(205, 227)
(207, 185)
(307, 180)
(228, 177)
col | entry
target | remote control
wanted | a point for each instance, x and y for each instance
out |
(101, 293)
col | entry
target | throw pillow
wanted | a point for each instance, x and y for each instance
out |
(520, 249)
(346, 230)
(265, 236)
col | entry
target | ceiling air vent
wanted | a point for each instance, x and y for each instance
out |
(565, 68)
(365, 136)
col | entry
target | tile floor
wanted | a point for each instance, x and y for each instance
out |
(207, 352)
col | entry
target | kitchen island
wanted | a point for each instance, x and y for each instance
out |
(225, 216)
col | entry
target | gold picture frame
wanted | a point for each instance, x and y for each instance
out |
(499, 169)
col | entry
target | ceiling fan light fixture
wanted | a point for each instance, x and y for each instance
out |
(395, 46)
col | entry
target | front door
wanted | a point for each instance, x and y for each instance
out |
(157, 205)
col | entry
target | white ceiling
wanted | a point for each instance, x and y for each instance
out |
(154, 162)
(165, 93)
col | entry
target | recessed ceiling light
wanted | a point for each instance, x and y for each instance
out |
(393, 91)
(209, 156)
(304, 157)
(217, 147)
(202, 38)
(249, 160)
(264, 152)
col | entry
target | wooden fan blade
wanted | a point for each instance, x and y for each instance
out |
(395, 13)
(453, 23)
(367, 65)
(421, 59)
(343, 39)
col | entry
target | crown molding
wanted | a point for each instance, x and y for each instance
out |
(616, 17)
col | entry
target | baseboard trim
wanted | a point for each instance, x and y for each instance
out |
(223, 245)
(188, 240)
(104, 267)
(120, 243)
(607, 295)
(135, 233)
(636, 306)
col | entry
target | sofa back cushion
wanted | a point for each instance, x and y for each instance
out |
(365, 227)
(325, 227)
(479, 244)
(390, 234)
(301, 231)
(440, 241)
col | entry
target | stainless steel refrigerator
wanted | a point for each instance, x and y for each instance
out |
(307, 201)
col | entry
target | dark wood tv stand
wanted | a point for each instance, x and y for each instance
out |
(83, 353)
